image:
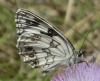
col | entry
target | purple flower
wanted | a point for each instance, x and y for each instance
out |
(79, 72)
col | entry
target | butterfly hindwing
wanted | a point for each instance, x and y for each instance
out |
(40, 43)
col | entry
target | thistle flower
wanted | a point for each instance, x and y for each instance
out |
(79, 72)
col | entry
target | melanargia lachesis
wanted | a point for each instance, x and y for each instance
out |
(41, 44)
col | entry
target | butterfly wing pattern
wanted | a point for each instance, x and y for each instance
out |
(40, 43)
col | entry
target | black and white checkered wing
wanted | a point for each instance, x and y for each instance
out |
(40, 43)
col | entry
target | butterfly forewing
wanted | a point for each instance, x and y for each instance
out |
(40, 43)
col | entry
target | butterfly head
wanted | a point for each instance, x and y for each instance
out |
(79, 56)
(81, 53)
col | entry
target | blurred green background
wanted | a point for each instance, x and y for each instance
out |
(73, 17)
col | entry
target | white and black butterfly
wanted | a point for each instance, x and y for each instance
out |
(41, 44)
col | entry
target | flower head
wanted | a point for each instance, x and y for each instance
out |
(79, 72)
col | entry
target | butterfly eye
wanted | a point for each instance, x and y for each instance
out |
(29, 48)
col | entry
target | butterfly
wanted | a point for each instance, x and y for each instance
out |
(41, 44)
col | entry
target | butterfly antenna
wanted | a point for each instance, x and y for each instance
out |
(86, 39)
(86, 36)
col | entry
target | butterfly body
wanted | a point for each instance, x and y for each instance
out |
(41, 44)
